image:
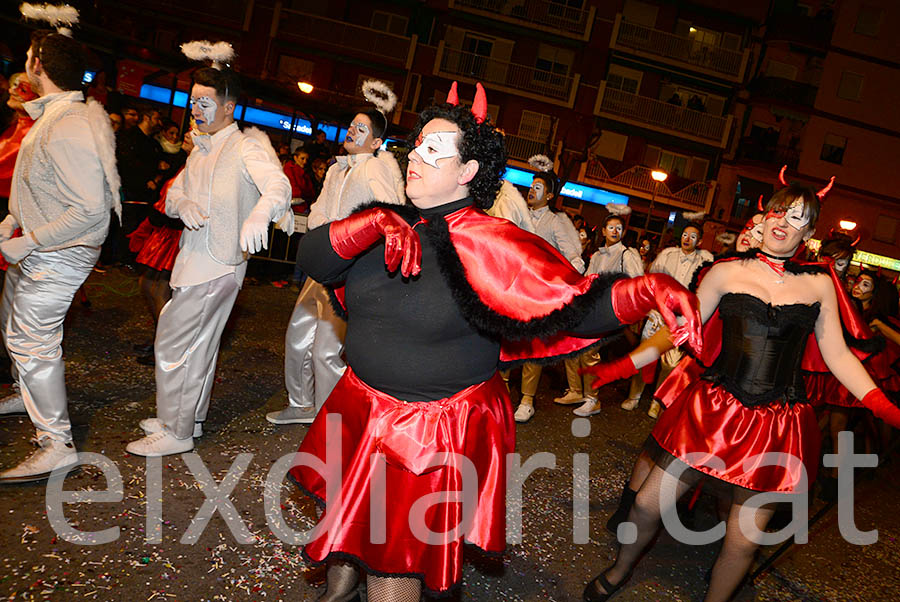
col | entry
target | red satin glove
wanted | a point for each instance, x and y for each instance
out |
(882, 407)
(633, 298)
(610, 371)
(350, 237)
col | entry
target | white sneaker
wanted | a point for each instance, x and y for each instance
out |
(12, 404)
(590, 407)
(293, 415)
(162, 443)
(52, 455)
(630, 404)
(571, 397)
(154, 425)
(524, 412)
(654, 410)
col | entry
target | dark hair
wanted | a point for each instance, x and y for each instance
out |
(698, 226)
(613, 216)
(225, 81)
(479, 141)
(838, 246)
(550, 179)
(145, 112)
(884, 296)
(782, 199)
(379, 122)
(62, 58)
(299, 150)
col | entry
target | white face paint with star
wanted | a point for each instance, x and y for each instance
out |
(437, 145)
(207, 106)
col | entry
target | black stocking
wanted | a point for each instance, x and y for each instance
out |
(393, 589)
(341, 581)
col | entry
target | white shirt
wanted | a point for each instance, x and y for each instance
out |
(353, 181)
(510, 205)
(558, 230)
(194, 264)
(674, 262)
(617, 258)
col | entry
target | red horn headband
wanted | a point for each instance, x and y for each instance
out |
(821, 194)
(856, 242)
(479, 106)
(759, 204)
(781, 175)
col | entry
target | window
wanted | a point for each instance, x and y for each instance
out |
(535, 126)
(850, 87)
(566, 9)
(624, 79)
(833, 149)
(673, 164)
(609, 144)
(782, 70)
(641, 13)
(868, 20)
(885, 229)
(746, 195)
(552, 65)
(389, 22)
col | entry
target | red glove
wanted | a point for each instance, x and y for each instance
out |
(882, 407)
(350, 237)
(610, 371)
(633, 298)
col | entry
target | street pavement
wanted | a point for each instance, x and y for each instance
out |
(109, 393)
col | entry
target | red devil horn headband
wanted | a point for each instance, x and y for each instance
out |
(479, 106)
(856, 241)
(821, 194)
(759, 204)
(781, 175)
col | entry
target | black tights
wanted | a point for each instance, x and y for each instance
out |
(343, 579)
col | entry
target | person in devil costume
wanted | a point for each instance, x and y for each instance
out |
(422, 390)
(744, 396)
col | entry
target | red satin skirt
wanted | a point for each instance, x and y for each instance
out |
(709, 429)
(389, 472)
(156, 246)
(823, 388)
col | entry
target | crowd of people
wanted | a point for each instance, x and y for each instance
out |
(452, 278)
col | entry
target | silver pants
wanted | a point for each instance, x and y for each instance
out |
(312, 348)
(6, 301)
(186, 347)
(41, 298)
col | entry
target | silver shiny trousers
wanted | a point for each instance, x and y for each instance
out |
(47, 283)
(186, 347)
(312, 348)
(6, 301)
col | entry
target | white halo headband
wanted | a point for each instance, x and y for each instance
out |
(59, 16)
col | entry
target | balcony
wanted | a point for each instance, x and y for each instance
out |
(521, 148)
(636, 181)
(545, 15)
(755, 149)
(659, 116)
(343, 38)
(780, 90)
(522, 80)
(678, 51)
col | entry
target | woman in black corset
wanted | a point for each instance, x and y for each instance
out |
(759, 309)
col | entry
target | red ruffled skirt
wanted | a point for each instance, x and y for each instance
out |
(156, 246)
(388, 474)
(823, 388)
(709, 429)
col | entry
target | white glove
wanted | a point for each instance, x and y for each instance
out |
(191, 213)
(286, 223)
(16, 249)
(254, 232)
(7, 227)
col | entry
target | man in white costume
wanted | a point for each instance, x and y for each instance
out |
(512, 207)
(612, 258)
(314, 340)
(231, 188)
(558, 230)
(680, 262)
(64, 185)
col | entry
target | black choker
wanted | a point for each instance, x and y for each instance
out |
(778, 257)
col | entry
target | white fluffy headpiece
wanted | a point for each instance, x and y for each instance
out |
(726, 238)
(618, 209)
(693, 216)
(220, 53)
(541, 162)
(61, 16)
(379, 94)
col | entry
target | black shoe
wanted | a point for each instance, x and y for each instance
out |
(146, 360)
(593, 594)
(621, 513)
(144, 349)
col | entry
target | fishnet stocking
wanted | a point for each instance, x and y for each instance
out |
(393, 589)
(341, 581)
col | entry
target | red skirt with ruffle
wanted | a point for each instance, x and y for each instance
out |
(709, 429)
(156, 246)
(388, 461)
(823, 388)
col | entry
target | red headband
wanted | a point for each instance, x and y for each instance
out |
(479, 106)
(821, 194)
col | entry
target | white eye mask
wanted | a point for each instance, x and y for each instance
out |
(757, 231)
(795, 215)
(437, 145)
(614, 230)
(362, 133)
(689, 237)
(208, 107)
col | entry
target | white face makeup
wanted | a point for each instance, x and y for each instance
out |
(645, 247)
(613, 232)
(435, 146)
(207, 107)
(841, 265)
(796, 216)
(863, 288)
(358, 133)
(689, 239)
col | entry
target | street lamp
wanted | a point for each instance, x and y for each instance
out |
(847, 225)
(658, 176)
(305, 87)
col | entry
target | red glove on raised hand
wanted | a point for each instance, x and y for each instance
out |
(632, 298)
(882, 407)
(350, 237)
(610, 371)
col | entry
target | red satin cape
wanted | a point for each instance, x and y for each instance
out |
(156, 246)
(476, 423)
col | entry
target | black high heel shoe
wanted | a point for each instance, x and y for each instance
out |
(592, 594)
